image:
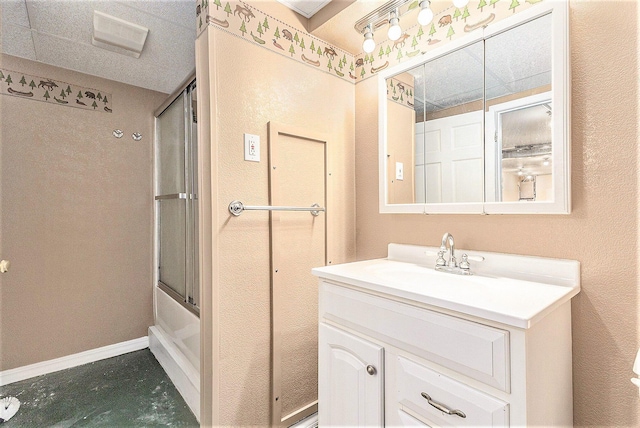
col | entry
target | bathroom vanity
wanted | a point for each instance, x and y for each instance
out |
(402, 344)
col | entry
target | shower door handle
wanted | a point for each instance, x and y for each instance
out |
(172, 196)
(4, 266)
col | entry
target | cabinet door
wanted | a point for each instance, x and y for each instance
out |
(350, 380)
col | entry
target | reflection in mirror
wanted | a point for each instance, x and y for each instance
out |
(519, 114)
(442, 161)
(453, 91)
(525, 139)
(404, 109)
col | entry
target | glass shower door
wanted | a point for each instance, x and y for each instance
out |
(176, 199)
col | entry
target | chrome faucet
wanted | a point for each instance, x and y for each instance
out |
(448, 239)
(451, 265)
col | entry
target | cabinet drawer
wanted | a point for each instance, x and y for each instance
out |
(407, 420)
(478, 408)
(475, 350)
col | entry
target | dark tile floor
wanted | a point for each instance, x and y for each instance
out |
(131, 390)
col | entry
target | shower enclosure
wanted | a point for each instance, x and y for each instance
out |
(175, 337)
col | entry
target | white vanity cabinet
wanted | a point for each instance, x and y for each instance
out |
(397, 353)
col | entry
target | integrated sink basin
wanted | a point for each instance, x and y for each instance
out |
(509, 289)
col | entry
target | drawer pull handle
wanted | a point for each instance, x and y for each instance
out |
(441, 407)
(371, 370)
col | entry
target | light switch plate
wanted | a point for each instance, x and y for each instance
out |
(399, 171)
(252, 147)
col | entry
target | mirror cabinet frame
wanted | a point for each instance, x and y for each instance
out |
(561, 126)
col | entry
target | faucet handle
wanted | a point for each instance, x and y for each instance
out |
(440, 261)
(464, 263)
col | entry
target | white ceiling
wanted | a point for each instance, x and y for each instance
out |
(58, 32)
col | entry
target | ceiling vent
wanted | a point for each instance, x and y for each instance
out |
(118, 35)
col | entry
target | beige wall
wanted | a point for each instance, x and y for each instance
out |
(250, 87)
(76, 222)
(602, 230)
(401, 147)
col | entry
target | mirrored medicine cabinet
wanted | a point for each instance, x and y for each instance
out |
(481, 125)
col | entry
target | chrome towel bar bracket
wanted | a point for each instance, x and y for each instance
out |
(236, 208)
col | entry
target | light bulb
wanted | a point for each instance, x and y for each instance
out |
(460, 3)
(394, 29)
(369, 44)
(426, 14)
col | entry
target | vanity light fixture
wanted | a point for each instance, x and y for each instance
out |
(426, 14)
(395, 31)
(369, 44)
(389, 15)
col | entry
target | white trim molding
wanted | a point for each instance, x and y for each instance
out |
(74, 360)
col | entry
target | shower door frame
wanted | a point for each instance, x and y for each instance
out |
(186, 91)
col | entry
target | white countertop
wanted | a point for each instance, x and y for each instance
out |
(515, 302)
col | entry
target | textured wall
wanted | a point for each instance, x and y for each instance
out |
(252, 87)
(602, 230)
(400, 148)
(76, 222)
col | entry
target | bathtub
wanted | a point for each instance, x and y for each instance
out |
(175, 342)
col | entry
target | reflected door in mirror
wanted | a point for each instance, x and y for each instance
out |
(452, 129)
(519, 118)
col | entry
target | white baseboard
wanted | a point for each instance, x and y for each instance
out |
(50, 366)
(184, 376)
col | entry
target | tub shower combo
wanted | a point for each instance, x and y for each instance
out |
(175, 337)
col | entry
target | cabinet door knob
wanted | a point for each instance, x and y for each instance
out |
(371, 370)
